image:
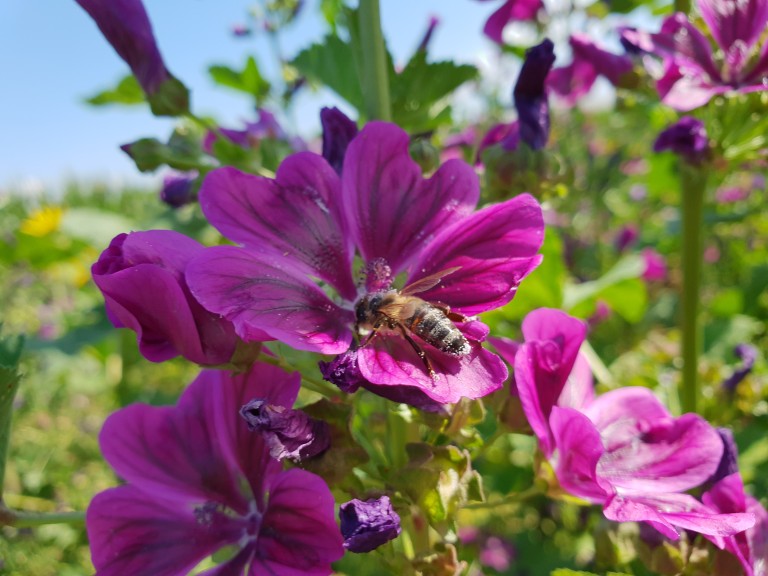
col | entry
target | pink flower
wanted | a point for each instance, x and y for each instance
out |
(198, 481)
(510, 11)
(298, 237)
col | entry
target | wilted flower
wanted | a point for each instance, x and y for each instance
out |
(288, 433)
(141, 276)
(305, 225)
(687, 138)
(198, 481)
(368, 524)
(510, 11)
(178, 189)
(622, 449)
(530, 95)
(694, 72)
(589, 62)
(126, 27)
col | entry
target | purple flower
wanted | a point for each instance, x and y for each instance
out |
(655, 266)
(126, 26)
(530, 96)
(510, 11)
(747, 354)
(305, 226)
(693, 71)
(622, 449)
(288, 433)
(626, 237)
(338, 131)
(198, 481)
(178, 189)
(141, 276)
(424, 44)
(368, 524)
(343, 371)
(589, 61)
(727, 496)
(241, 30)
(687, 138)
(267, 127)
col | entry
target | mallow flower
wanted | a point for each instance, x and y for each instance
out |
(622, 449)
(694, 70)
(293, 273)
(590, 61)
(198, 481)
(126, 26)
(141, 276)
(367, 524)
(510, 11)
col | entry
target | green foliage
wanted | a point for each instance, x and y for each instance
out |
(10, 354)
(126, 92)
(248, 80)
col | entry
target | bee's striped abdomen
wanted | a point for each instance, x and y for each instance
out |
(436, 329)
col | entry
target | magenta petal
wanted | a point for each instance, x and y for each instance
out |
(174, 453)
(612, 66)
(579, 390)
(510, 11)
(495, 249)
(260, 297)
(646, 449)
(391, 361)
(579, 449)
(141, 276)
(573, 81)
(686, 91)
(543, 365)
(133, 533)
(732, 22)
(666, 511)
(299, 534)
(392, 210)
(295, 216)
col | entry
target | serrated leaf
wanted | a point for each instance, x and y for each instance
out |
(10, 354)
(248, 80)
(330, 63)
(127, 92)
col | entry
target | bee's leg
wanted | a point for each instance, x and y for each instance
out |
(374, 331)
(453, 316)
(420, 351)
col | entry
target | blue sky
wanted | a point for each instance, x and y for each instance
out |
(52, 56)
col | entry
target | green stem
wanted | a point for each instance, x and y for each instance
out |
(693, 183)
(531, 492)
(30, 519)
(375, 75)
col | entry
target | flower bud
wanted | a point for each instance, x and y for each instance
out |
(686, 138)
(338, 132)
(178, 189)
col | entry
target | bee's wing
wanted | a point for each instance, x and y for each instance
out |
(426, 283)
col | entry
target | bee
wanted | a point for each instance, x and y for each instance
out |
(401, 311)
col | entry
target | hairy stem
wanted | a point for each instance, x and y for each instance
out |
(375, 76)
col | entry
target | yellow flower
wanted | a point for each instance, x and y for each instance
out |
(42, 221)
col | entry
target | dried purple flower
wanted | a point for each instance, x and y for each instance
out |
(531, 97)
(290, 434)
(178, 189)
(687, 138)
(338, 132)
(366, 525)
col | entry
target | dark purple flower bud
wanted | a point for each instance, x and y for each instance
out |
(338, 132)
(126, 26)
(367, 525)
(424, 44)
(626, 238)
(530, 95)
(343, 371)
(178, 189)
(747, 354)
(508, 135)
(240, 30)
(729, 462)
(141, 276)
(687, 137)
(289, 433)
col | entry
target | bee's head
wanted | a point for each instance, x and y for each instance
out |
(365, 310)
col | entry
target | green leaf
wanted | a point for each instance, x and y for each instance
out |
(10, 354)
(331, 63)
(421, 89)
(620, 288)
(330, 10)
(127, 92)
(171, 99)
(248, 80)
